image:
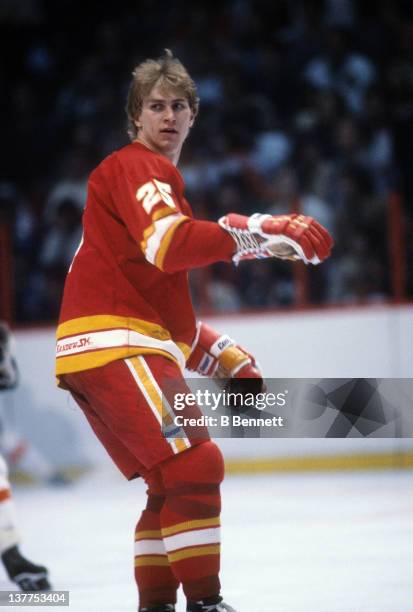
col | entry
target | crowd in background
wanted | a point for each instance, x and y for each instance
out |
(305, 106)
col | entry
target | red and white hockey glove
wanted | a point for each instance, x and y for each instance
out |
(284, 236)
(217, 356)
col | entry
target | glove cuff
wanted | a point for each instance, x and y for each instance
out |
(222, 343)
(245, 232)
(232, 360)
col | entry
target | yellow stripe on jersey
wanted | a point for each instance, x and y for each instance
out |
(112, 337)
(159, 214)
(146, 235)
(153, 394)
(163, 212)
(189, 525)
(99, 322)
(145, 379)
(185, 348)
(181, 444)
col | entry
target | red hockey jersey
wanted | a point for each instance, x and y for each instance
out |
(127, 292)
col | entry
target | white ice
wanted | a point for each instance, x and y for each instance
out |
(337, 542)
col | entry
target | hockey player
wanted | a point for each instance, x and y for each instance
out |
(20, 454)
(127, 326)
(27, 575)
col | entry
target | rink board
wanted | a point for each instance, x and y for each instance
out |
(357, 342)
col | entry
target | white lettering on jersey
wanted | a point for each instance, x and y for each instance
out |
(153, 192)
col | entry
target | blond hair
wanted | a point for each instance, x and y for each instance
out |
(167, 71)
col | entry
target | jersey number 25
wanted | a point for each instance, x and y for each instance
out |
(153, 192)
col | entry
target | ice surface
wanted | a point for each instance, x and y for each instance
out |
(335, 542)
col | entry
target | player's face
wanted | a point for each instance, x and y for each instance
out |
(164, 122)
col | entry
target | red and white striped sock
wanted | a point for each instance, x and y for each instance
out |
(190, 518)
(155, 579)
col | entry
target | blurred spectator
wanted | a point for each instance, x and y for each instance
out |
(342, 70)
(63, 235)
(222, 294)
(73, 185)
(288, 198)
(360, 271)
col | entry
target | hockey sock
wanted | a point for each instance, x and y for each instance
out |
(8, 531)
(190, 518)
(154, 577)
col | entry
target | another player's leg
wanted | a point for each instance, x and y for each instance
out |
(27, 575)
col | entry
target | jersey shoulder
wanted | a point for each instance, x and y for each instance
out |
(138, 165)
(139, 162)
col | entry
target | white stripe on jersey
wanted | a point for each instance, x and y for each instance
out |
(154, 242)
(113, 338)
